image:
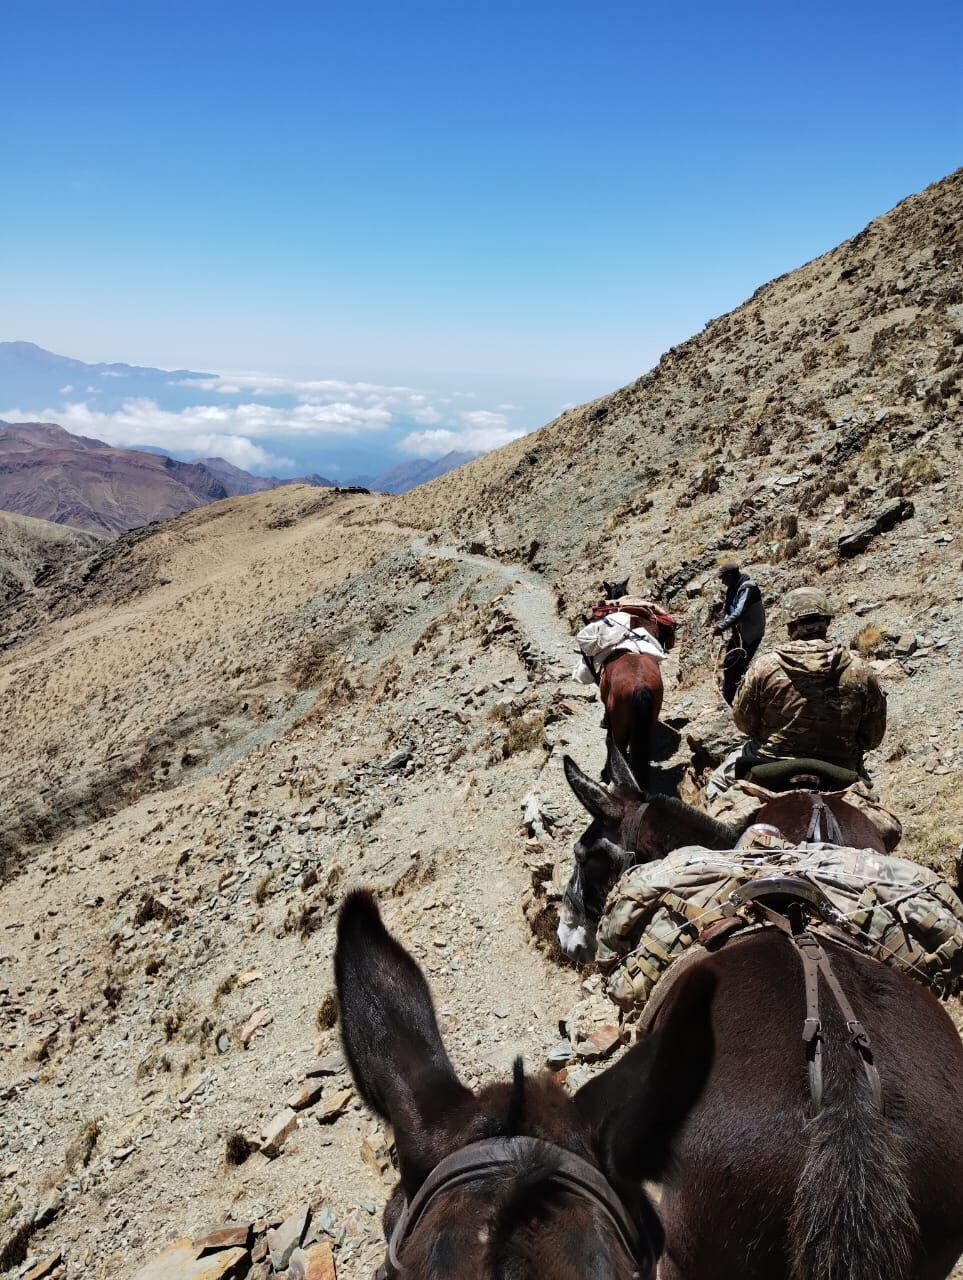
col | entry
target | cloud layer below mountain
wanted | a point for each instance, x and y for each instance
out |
(249, 417)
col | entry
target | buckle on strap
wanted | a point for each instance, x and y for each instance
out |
(858, 1036)
(812, 1030)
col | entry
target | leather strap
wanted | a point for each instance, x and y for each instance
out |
(482, 1159)
(816, 962)
(823, 824)
(631, 834)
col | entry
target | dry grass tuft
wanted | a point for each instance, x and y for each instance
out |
(526, 734)
(237, 1148)
(264, 887)
(304, 920)
(327, 1014)
(13, 1250)
(225, 987)
(918, 470)
(81, 1149)
(931, 840)
(314, 663)
(867, 640)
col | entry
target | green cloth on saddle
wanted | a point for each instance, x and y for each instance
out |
(772, 772)
(899, 912)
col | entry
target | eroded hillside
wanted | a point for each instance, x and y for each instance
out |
(215, 725)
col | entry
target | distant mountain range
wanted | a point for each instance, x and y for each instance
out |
(30, 376)
(48, 473)
(51, 474)
(407, 475)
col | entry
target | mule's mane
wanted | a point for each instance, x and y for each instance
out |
(716, 834)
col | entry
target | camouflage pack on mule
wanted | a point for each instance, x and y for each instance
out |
(897, 911)
(739, 805)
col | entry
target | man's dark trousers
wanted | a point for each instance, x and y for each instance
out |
(735, 665)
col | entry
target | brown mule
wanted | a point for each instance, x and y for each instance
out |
(629, 827)
(518, 1179)
(630, 686)
(813, 815)
(762, 1188)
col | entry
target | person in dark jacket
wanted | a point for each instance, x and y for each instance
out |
(744, 619)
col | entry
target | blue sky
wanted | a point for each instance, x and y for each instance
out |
(523, 203)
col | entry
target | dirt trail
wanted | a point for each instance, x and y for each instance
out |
(532, 601)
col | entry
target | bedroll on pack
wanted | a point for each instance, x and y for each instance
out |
(598, 641)
(897, 911)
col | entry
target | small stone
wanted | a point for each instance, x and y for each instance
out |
(501, 1059)
(560, 1055)
(335, 1105)
(179, 1261)
(278, 1130)
(397, 759)
(307, 1096)
(228, 1236)
(283, 1240)
(375, 1156)
(599, 1043)
(318, 1262)
(259, 1019)
(248, 976)
(223, 1042)
(332, 1064)
(45, 1267)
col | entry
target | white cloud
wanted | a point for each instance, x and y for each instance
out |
(468, 439)
(202, 430)
(325, 409)
(485, 419)
(427, 415)
(266, 384)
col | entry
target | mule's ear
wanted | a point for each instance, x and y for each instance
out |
(597, 799)
(391, 1037)
(620, 771)
(636, 1107)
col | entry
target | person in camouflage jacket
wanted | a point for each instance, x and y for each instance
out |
(810, 697)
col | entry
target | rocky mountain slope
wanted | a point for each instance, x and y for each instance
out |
(31, 551)
(217, 724)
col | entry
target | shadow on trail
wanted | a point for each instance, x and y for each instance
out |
(665, 782)
(665, 741)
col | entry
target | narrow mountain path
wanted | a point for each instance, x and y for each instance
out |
(531, 603)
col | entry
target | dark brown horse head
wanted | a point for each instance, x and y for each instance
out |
(523, 1218)
(615, 590)
(628, 827)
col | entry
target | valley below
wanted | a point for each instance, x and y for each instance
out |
(216, 725)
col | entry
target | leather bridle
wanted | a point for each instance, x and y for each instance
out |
(480, 1160)
(575, 889)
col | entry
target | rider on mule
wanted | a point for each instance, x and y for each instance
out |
(809, 701)
(811, 697)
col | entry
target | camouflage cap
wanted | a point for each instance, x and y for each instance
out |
(727, 568)
(806, 602)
